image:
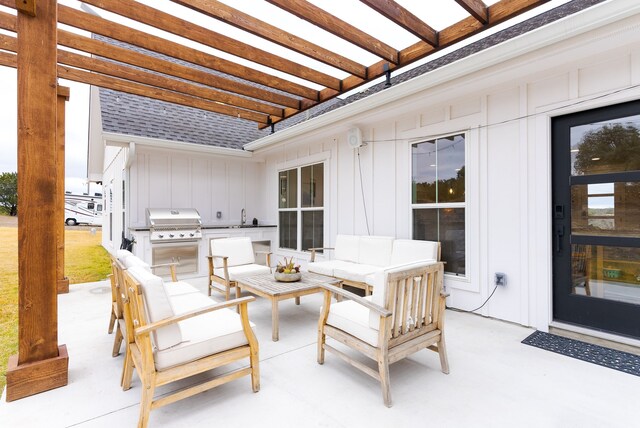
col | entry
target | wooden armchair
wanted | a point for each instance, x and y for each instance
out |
(117, 290)
(404, 315)
(166, 346)
(230, 259)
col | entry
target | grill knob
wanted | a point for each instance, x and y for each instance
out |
(160, 236)
(171, 235)
(192, 234)
(182, 235)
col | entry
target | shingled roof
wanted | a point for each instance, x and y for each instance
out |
(139, 116)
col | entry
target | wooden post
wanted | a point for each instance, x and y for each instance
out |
(63, 281)
(40, 364)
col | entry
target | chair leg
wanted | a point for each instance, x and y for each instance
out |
(442, 352)
(145, 403)
(112, 321)
(127, 370)
(321, 340)
(117, 342)
(255, 370)
(209, 288)
(383, 368)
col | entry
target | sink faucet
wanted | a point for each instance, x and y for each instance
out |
(243, 217)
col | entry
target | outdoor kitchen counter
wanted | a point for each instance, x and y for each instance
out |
(213, 226)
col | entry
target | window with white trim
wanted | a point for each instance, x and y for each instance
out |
(438, 197)
(301, 207)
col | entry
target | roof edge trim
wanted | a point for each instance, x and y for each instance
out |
(119, 140)
(570, 26)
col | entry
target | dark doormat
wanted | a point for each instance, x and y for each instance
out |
(617, 360)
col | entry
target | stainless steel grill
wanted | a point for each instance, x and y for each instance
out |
(174, 225)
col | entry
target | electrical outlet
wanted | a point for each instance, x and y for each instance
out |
(500, 279)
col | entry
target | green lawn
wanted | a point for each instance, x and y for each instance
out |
(85, 261)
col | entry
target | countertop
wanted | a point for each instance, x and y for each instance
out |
(214, 226)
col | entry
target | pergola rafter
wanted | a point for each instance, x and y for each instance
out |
(227, 87)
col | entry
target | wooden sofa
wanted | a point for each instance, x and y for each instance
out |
(356, 259)
(173, 332)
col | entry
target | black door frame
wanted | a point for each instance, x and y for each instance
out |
(606, 315)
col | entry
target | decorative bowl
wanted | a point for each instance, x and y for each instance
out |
(287, 277)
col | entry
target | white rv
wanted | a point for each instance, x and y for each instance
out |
(83, 209)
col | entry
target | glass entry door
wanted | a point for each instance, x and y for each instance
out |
(596, 219)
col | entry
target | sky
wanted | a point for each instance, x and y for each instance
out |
(444, 14)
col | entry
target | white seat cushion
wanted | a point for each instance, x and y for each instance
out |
(182, 303)
(236, 272)
(375, 250)
(410, 250)
(353, 318)
(356, 272)
(346, 248)
(202, 336)
(158, 307)
(178, 288)
(328, 266)
(238, 250)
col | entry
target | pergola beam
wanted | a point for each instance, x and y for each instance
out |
(40, 364)
(151, 79)
(180, 27)
(127, 56)
(317, 16)
(476, 8)
(238, 19)
(113, 30)
(102, 81)
(405, 19)
(62, 285)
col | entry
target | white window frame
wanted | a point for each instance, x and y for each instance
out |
(441, 205)
(299, 209)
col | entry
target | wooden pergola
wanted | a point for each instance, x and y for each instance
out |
(218, 85)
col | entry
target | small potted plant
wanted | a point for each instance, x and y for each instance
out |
(287, 271)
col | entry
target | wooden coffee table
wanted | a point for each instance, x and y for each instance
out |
(266, 286)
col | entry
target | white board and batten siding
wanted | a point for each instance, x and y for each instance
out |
(505, 111)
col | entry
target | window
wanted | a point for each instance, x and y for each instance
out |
(438, 197)
(301, 207)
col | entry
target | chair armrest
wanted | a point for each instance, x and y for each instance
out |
(351, 296)
(172, 269)
(313, 252)
(267, 256)
(174, 319)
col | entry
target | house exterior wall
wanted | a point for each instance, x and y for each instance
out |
(169, 178)
(505, 111)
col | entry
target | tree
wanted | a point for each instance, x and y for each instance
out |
(9, 192)
(612, 148)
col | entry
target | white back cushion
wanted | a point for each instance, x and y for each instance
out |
(379, 295)
(123, 254)
(347, 248)
(132, 261)
(409, 250)
(375, 250)
(239, 250)
(158, 307)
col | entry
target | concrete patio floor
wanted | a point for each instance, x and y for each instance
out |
(495, 381)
